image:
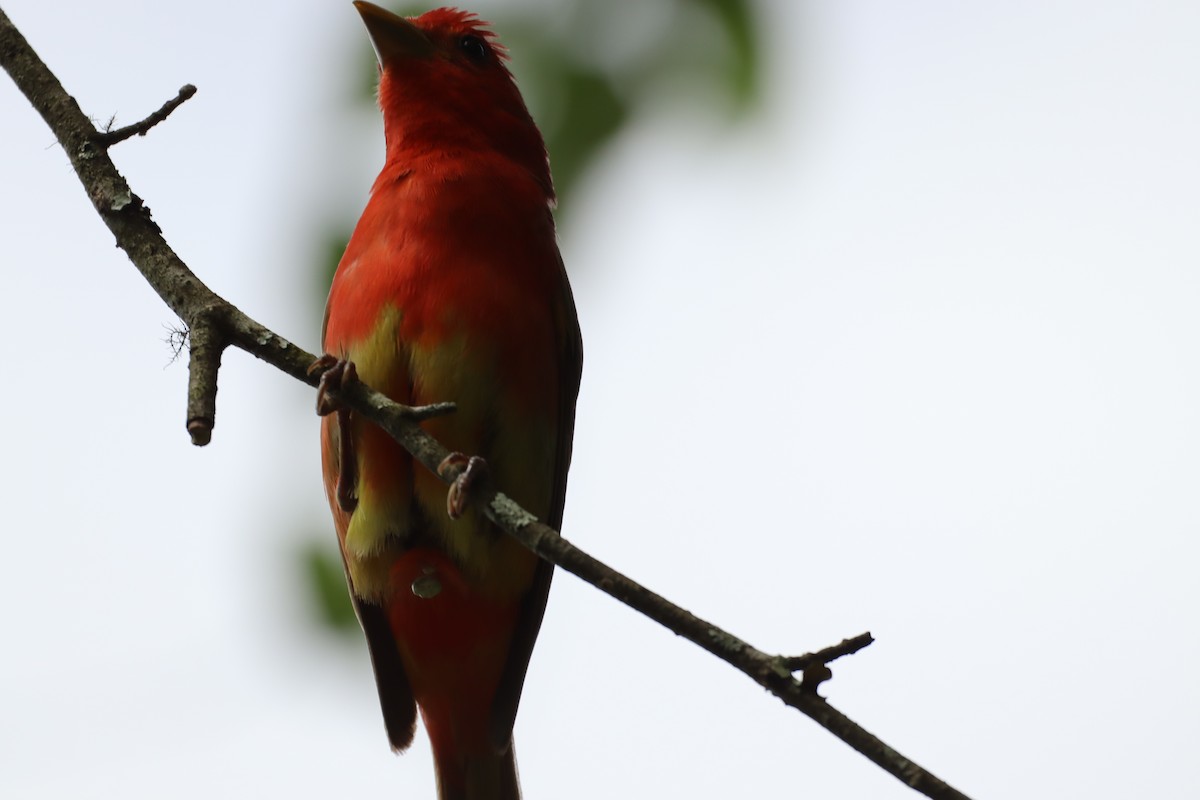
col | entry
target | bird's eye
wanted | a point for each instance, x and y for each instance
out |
(474, 47)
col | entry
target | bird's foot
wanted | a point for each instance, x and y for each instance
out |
(336, 373)
(474, 476)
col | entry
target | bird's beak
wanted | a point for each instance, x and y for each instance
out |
(393, 36)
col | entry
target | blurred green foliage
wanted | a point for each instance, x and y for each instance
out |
(587, 71)
(327, 584)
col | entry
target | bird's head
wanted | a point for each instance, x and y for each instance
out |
(445, 85)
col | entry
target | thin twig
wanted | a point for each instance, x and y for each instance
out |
(843, 648)
(202, 310)
(431, 411)
(108, 138)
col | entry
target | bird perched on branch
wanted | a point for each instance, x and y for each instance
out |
(451, 289)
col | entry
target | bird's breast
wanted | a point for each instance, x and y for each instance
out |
(441, 297)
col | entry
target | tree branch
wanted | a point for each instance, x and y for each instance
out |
(215, 324)
(109, 138)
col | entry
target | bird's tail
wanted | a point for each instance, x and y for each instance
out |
(479, 776)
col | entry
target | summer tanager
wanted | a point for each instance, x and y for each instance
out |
(451, 289)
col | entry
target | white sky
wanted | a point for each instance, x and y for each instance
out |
(914, 353)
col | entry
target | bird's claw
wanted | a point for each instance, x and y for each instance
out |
(473, 476)
(336, 374)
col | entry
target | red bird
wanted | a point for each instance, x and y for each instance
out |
(452, 289)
